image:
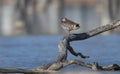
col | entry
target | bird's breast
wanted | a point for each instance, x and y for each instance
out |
(67, 27)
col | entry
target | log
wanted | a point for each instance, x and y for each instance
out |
(63, 46)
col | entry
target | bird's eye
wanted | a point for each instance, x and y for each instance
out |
(77, 25)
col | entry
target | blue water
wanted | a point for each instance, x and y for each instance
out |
(30, 52)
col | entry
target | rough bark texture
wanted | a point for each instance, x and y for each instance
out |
(63, 46)
(95, 66)
(55, 66)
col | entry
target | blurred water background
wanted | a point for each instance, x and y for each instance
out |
(30, 31)
(33, 51)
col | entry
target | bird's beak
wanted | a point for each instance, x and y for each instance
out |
(76, 26)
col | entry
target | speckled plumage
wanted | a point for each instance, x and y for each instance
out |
(69, 25)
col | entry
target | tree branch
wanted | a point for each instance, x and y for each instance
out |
(93, 32)
(63, 46)
(55, 66)
(95, 66)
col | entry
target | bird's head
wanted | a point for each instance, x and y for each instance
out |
(70, 22)
(76, 26)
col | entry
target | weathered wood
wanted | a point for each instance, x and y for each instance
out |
(54, 67)
(94, 66)
(25, 71)
(15, 71)
(63, 46)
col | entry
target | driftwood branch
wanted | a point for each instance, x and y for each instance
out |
(15, 71)
(95, 66)
(55, 66)
(64, 46)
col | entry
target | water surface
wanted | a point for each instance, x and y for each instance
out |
(30, 52)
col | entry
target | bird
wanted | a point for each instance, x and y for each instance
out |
(68, 25)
